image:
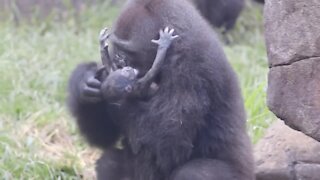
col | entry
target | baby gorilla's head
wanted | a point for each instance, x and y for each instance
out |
(119, 83)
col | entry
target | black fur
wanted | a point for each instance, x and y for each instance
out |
(220, 13)
(92, 117)
(193, 128)
(260, 1)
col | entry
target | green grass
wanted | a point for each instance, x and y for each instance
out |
(38, 139)
(248, 57)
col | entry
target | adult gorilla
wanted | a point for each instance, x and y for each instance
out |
(220, 13)
(192, 128)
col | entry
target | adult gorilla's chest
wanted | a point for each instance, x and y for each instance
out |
(141, 121)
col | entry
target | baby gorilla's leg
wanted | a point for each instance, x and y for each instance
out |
(105, 58)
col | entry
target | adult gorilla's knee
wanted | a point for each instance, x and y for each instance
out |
(110, 165)
(204, 169)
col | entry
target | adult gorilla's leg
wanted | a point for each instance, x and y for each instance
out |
(205, 169)
(113, 165)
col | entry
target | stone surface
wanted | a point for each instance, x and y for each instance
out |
(286, 154)
(292, 32)
(308, 171)
(294, 95)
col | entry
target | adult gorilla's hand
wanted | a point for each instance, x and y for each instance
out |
(85, 83)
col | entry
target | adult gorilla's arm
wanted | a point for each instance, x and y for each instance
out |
(94, 116)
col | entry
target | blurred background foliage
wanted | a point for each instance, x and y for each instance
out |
(43, 40)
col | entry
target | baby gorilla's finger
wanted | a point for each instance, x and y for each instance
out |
(93, 82)
(171, 31)
(161, 32)
(174, 37)
(155, 41)
(103, 36)
(166, 30)
(103, 32)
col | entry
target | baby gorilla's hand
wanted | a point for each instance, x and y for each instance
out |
(166, 38)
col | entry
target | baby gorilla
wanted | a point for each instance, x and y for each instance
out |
(123, 83)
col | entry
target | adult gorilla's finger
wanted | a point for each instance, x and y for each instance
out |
(93, 99)
(93, 92)
(93, 82)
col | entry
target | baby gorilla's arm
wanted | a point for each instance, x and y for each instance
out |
(142, 85)
(122, 83)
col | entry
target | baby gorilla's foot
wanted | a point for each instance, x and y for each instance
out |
(103, 36)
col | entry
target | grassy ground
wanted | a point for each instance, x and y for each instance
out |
(38, 139)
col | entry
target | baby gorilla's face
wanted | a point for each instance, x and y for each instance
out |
(119, 83)
(124, 78)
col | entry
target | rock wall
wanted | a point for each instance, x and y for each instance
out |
(286, 154)
(292, 32)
